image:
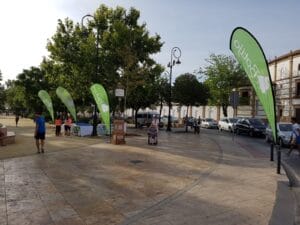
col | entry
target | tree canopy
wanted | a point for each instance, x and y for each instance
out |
(124, 45)
(123, 57)
(223, 74)
(189, 91)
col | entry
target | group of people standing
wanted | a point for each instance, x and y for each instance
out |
(67, 125)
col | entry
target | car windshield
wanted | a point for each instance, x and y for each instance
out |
(256, 122)
(233, 120)
(285, 127)
(209, 120)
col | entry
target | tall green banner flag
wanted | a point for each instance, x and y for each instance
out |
(250, 55)
(46, 99)
(101, 100)
(66, 98)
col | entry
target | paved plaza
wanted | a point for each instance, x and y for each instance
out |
(186, 179)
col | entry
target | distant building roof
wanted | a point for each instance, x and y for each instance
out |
(285, 56)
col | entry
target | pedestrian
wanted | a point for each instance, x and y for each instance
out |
(40, 132)
(58, 123)
(196, 126)
(293, 141)
(153, 131)
(17, 119)
(2, 138)
(68, 124)
(296, 140)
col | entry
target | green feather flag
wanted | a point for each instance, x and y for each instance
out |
(250, 55)
(46, 99)
(101, 100)
(66, 98)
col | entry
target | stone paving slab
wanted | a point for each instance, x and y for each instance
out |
(186, 179)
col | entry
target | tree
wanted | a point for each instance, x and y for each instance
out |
(163, 93)
(2, 94)
(223, 74)
(22, 93)
(125, 46)
(189, 91)
(143, 90)
(15, 97)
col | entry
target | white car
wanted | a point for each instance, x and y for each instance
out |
(284, 132)
(209, 123)
(227, 124)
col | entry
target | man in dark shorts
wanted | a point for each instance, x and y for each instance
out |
(40, 132)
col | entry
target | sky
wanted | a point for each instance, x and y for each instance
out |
(198, 27)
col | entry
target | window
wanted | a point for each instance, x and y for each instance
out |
(280, 113)
(298, 67)
(298, 88)
(245, 98)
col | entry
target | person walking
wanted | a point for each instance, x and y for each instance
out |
(2, 138)
(58, 123)
(294, 134)
(68, 124)
(17, 119)
(40, 132)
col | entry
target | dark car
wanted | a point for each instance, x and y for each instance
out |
(250, 126)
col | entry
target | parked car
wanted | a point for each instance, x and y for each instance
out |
(145, 118)
(250, 126)
(227, 124)
(164, 120)
(209, 123)
(284, 132)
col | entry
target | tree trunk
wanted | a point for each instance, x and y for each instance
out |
(186, 119)
(135, 117)
(224, 107)
(160, 110)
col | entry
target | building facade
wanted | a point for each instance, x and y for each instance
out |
(285, 75)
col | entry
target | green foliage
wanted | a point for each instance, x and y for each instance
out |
(223, 74)
(189, 91)
(124, 45)
(2, 94)
(15, 97)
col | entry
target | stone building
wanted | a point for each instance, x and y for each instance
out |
(285, 75)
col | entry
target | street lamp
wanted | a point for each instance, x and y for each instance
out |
(175, 55)
(94, 132)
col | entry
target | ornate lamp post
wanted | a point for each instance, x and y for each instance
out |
(94, 132)
(175, 55)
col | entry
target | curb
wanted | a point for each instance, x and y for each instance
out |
(294, 179)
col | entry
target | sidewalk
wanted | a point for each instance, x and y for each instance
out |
(185, 179)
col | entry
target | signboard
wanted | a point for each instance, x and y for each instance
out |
(119, 92)
(234, 99)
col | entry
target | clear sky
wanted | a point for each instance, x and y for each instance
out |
(198, 27)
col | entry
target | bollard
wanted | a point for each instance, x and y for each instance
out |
(278, 161)
(272, 152)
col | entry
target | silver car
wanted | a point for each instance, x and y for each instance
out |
(209, 123)
(227, 124)
(284, 133)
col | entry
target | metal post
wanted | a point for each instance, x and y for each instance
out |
(171, 64)
(170, 101)
(94, 132)
(272, 152)
(278, 160)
